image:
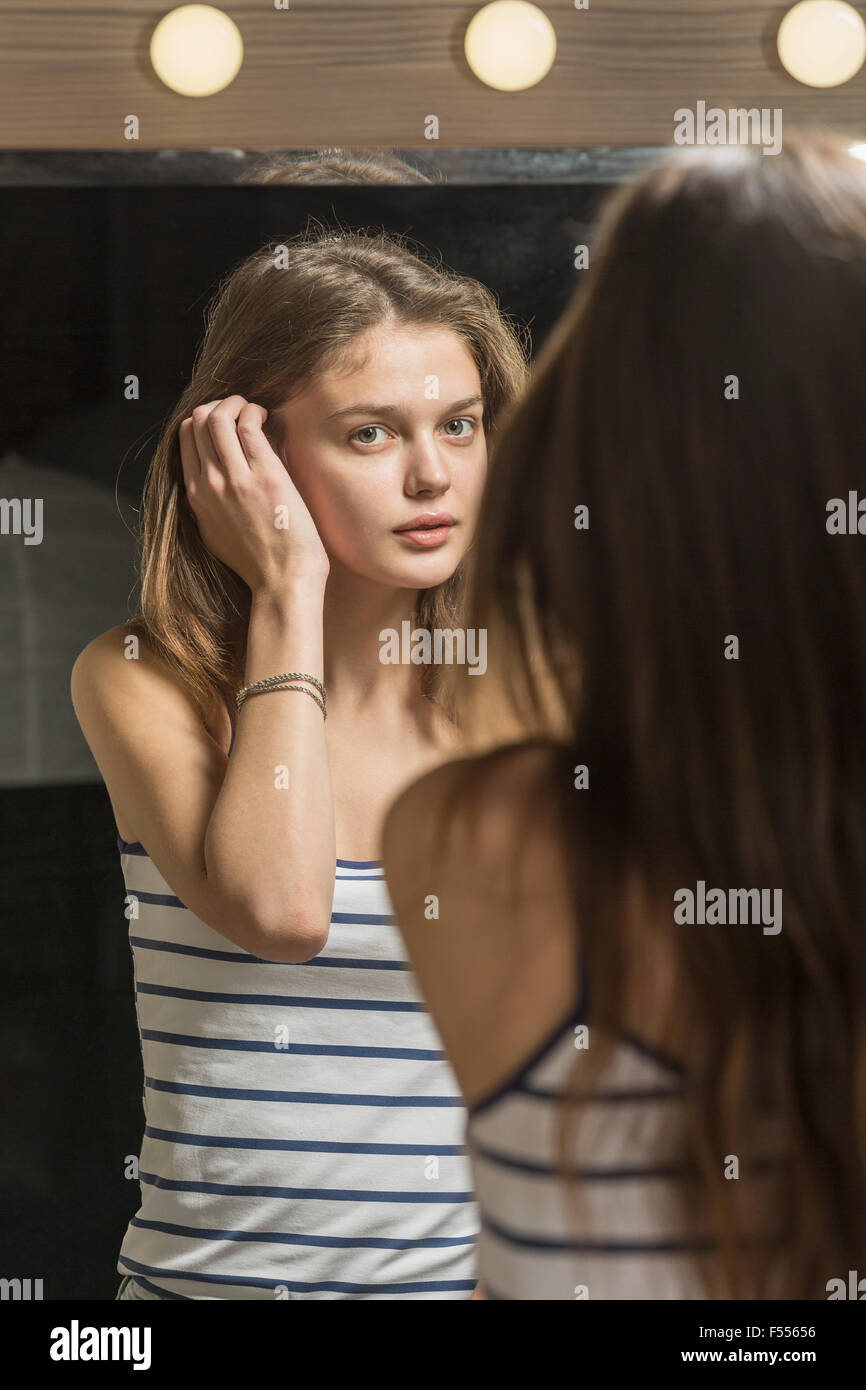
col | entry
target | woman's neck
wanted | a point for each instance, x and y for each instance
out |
(356, 613)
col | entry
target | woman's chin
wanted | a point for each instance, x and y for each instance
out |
(424, 570)
(427, 571)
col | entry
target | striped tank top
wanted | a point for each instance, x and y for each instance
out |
(629, 1239)
(304, 1133)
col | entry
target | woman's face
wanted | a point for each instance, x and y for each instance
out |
(372, 446)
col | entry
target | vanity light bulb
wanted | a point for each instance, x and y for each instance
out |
(196, 50)
(510, 45)
(822, 42)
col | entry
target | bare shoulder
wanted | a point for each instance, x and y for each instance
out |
(112, 652)
(467, 810)
(129, 705)
(106, 659)
(120, 670)
(476, 866)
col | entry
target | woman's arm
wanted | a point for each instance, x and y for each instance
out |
(254, 862)
(270, 840)
(246, 843)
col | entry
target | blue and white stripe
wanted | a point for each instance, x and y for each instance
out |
(631, 1238)
(304, 1131)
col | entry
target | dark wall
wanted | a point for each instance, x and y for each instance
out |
(94, 284)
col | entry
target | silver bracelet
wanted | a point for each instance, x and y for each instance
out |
(284, 685)
(270, 681)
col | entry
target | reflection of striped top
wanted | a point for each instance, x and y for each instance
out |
(304, 1132)
(630, 1240)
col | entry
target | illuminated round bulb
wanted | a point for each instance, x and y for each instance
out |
(196, 50)
(822, 42)
(510, 45)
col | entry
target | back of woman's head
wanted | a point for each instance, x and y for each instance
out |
(336, 165)
(702, 633)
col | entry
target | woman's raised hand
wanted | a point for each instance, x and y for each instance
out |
(249, 513)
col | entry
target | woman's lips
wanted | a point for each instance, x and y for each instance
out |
(429, 536)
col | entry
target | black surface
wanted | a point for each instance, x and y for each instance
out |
(71, 1065)
(97, 283)
(472, 164)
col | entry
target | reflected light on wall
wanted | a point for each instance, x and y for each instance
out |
(822, 42)
(510, 45)
(196, 50)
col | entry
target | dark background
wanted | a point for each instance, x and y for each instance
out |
(96, 283)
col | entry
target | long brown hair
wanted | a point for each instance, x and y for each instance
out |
(283, 314)
(703, 397)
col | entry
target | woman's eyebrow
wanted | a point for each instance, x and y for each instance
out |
(368, 408)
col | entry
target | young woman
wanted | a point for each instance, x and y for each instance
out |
(665, 1101)
(304, 1132)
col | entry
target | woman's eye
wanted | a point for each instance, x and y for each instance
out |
(367, 430)
(460, 421)
(464, 427)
